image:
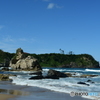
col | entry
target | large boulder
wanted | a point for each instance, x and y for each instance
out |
(54, 73)
(19, 61)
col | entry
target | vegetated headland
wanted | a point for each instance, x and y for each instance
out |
(57, 60)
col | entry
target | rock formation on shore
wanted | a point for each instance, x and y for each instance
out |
(20, 62)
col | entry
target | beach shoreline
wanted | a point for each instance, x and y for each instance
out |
(55, 96)
(18, 92)
(20, 87)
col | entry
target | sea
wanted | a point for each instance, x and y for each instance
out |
(64, 85)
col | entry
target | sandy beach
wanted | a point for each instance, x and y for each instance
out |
(10, 91)
(45, 96)
(6, 96)
(41, 96)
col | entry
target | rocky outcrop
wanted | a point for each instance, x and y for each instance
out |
(5, 77)
(52, 74)
(20, 62)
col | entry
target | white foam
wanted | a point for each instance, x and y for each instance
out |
(45, 69)
(91, 70)
(1, 68)
(66, 85)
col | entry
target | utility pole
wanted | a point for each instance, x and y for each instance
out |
(61, 51)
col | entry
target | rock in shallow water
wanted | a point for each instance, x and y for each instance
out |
(5, 77)
(83, 83)
(52, 73)
(36, 77)
(36, 73)
(90, 81)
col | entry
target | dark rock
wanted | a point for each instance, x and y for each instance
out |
(90, 81)
(5, 69)
(36, 73)
(41, 77)
(36, 77)
(51, 77)
(53, 73)
(68, 74)
(83, 83)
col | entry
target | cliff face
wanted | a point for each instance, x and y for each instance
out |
(19, 61)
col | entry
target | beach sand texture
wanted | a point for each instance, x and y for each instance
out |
(6, 96)
(15, 92)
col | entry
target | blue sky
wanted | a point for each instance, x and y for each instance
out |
(45, 26)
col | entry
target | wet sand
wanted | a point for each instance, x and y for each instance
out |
(6, 96)
(41, 96)
(10, 91)
(38, 94)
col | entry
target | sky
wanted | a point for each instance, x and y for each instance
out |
(45, 26)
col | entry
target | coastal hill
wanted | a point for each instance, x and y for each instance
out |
(66, 60)
(55, 60)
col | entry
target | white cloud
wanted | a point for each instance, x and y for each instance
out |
(9, 39)
(51, 6)
(10, 44)
(1, 26)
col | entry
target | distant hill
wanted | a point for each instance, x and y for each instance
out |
(56, 60)
(5, 57)
(67, 61)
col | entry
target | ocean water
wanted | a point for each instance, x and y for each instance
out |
(65, 85)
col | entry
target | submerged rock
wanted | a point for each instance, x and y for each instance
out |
(83, 83)
(87, 76)
(36, 77)
(90, 81)
(39, 73)
(5, 77)
(52, 74)
(20, 62)
(51, 77)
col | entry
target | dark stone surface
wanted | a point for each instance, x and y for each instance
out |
(36, 77)
(52, 73)
(83, 83)
(36, 73)
(90, 81)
